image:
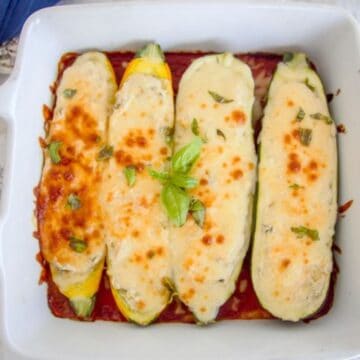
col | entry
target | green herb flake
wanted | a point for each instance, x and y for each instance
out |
(220, 133)
(176, 202)
(73, 202)
(195, 127)
(54, 147)
(310, 86)
(169, 135)
(130, 174)
(197, 210)
(300, 115)
(184, 159)
(302, 231)
(218, 98)
(295, 186)
(318, 116)
(77, 244)
(305, 136)
(287, 57)
(69, 93)
(105, 152)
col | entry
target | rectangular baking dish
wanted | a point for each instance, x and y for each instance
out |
(330, 37)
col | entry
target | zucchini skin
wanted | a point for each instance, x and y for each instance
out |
(296, 208)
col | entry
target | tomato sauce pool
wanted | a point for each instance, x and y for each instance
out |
(243, 304)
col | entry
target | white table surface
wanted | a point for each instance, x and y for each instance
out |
(353, 6)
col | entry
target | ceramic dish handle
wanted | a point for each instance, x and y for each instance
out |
(7, 96)
(7, 90)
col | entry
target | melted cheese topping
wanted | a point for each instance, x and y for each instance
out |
(136, 226)
(206, 261)
(84, 100)
(297, 187)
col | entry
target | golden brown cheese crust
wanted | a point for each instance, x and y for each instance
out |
(84, 99)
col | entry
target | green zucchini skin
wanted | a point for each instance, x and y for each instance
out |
(297, 194)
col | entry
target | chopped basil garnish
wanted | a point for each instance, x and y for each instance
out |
(300, 115)
(54, 147)
(318, 116)
(302, 231)
(218, 98)
(195, 127)
(288, 56)
(220, 133)
(105, 152)
(197, 210)
(130, 174)
(73, 202)
(77, 244)
(176, 202)
(169, 135)
(69, 93)
(305, 136)
(184, 159)
(295, 186)
(307, 83)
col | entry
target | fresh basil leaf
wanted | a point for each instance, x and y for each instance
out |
(305, 136)
(69, 93)
(195, 127)
(176, 202)
(318, 116)
(183, 181)
(287, 57)
(295, 186)
(302, 231)
(220, 133)
(197, 209)
(185, 158)
(307, 83)
(161, 176)
(105, 152)
(54, 147)
(73, 202)
(218, 98)
(77, 244)
(300, 115)
(130, 174)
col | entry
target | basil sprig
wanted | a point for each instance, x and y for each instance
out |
(176, 181)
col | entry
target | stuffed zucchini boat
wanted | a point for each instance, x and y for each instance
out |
(214, 103)
(68, 211)
(297, 194)
(137, 234)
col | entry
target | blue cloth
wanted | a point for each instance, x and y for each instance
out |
(13, 14)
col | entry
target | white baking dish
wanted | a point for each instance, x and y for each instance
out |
(330, 37)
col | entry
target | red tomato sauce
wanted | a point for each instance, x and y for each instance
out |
(243, 304)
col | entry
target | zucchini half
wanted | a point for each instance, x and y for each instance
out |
(69, 217)
(137, 234)
(214, 102)
(297, 195)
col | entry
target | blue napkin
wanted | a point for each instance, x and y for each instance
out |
(13, 14)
